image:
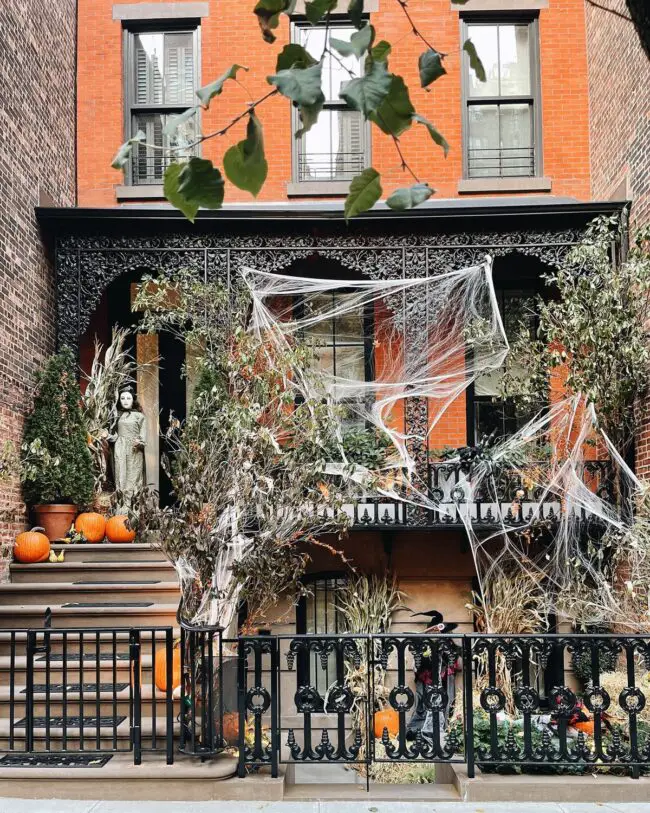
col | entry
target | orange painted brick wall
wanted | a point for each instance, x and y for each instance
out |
(231, 34)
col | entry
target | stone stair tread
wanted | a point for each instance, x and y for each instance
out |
(122, 728)
(60, 609)
(72, 587)
(126, 546)
(89, 696)
(94, 564)
(20, 662)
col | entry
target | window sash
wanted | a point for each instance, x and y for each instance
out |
(503, 160)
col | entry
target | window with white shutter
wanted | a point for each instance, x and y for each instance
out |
(161, 82)
(336, 148)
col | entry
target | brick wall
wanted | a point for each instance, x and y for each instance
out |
(231, 34)
(619, 88)
(37, 95)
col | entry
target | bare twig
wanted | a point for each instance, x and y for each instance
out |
(610, 10)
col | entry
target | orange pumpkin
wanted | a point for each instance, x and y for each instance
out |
(91, 525)
(160, 675)
(32, 546)
(117, 530)
(386, 718)
(586, 727)
(230, 727)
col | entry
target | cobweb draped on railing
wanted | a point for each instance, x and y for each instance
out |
(430, 339)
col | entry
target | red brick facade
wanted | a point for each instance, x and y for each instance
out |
(230, 34)
(37, 126)
(619, 88)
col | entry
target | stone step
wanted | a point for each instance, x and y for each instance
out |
(110, 670)
(132, 552)
(92, 703)
(49, 593)
(73, 642)
(74, 571)
(26, 616)
(118, 779)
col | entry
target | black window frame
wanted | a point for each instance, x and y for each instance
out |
(534, 98)
(298, 23)
(132, 108)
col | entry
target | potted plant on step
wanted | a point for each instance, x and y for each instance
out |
(60, 477)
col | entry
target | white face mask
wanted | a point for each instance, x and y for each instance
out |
(126, 400)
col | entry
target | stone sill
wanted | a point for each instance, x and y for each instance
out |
(130, 12)
(152, 191)
(477, 185)
(311, 189)
(500, 5)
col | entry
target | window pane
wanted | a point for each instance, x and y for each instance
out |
(350, 363)
(516, 141)
(514, 52)
(483, 141)
(336, 72)
(486, 42)
(164, 69)
(349, 327)
(334, 148)
(148, 164)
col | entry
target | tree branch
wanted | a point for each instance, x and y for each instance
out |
(610, 10)
(414, 28)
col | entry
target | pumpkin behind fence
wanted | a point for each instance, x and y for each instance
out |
(117, 530)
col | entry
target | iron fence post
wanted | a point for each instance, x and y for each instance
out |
(136, 715)
(29, 692)
(241, 706)
(169, 696)
(275, 734)
(468, 705)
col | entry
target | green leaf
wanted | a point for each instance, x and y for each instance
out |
(359, 43)
(309, 115)
(208, 92)
(368, 92)
(381, 51)
(474, 62)
(175, 121)
(294, 56)
(124, 153)
(173, 195)
(431, 68)
(194, 184)
(365, 191)
(435, 134)
(395, 114)
(315, 10)
(301, 85)
(409, 197)
(244, 163)
(268, 15)
(355, 13)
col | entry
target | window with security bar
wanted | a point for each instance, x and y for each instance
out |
(336, 148)
(502, 114)
(161, 82)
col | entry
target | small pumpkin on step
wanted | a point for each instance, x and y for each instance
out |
(32, 546)
(118, 530)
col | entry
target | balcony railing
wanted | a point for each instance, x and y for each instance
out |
(501, 162)
(330, 166)
(511, 501)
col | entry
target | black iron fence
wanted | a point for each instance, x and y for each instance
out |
(531, 703)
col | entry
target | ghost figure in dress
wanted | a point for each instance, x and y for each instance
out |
(129, 438)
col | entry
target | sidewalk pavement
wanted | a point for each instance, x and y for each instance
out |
(62, 806)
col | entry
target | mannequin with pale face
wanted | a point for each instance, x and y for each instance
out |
(129, 440)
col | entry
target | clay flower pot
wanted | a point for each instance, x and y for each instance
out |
(55, 519)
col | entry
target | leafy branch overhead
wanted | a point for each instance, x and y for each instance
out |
(379, 95)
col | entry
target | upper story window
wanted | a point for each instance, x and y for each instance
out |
(336, 148)
(502, 115)
(162, 76)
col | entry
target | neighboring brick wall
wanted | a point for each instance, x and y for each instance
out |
(231, 34)
(37, 125)
(619, 87)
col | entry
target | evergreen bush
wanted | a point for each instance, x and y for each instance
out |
(56, 427)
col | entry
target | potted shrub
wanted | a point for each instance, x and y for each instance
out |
(57, 471)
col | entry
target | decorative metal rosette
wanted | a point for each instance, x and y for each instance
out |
(401, 698)
(526, 699)
(493, 700)
(563, 700)
(258, 700)
(435, 698)
(308, 700)
(597, 699)
(339, 699)
(632, 700)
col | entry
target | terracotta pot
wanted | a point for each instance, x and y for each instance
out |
(55, 519)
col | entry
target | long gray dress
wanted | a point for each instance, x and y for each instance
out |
(128, 456)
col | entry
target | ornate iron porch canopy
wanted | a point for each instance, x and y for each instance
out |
(93, 247)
